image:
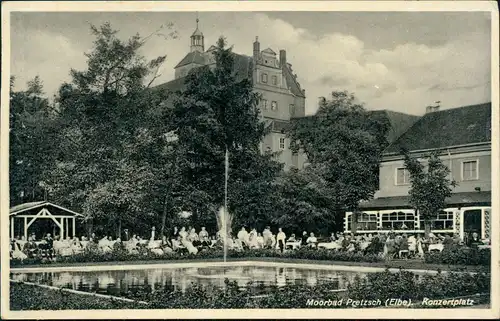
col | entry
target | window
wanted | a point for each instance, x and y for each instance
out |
(274, 105)
(469, 170)
(398, 221)
(444, 221)
(274, 80)
(367, 222)
(292, 109)
(402, 176)
(264, 104)
(282, 143)
(263, 78)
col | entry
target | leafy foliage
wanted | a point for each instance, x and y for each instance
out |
(111, 153)
(430, 185)
(304, 202)
(405, 285)
(343, 142)
(216, 112)
(461, 256)
(32, 132)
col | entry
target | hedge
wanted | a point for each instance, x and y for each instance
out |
(120, 256)
(460, 256)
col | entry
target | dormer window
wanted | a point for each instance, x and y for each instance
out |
(263, 78)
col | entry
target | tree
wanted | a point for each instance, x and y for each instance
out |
(215, 113)
(32, 132)
(430, 186)
(345, 143)
(110, 152)
(304, 202)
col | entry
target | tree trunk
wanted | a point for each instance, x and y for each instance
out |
(89, 228)
(427, 228)
(164, 216)
(119, 228)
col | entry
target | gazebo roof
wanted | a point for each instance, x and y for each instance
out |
(21, 208)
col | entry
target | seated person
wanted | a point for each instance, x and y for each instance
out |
(260, 241)
(346, 241)
(474, 240)
(118, 245)
(76, 246)
(332, 237)
(252, 240)
(30, 248)
(404, 247)
(205, 241)
(15, 251)
(176, 243)
(312, 241)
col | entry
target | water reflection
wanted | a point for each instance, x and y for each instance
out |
(180, 279)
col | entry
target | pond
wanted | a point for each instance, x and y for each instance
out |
(118, 281)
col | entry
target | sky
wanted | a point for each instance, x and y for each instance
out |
(401, 61)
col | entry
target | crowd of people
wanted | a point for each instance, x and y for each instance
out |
(388, 244)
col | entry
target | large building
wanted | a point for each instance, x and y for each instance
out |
(271, 75)
(463, 135)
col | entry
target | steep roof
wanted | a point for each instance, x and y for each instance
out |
(456, 199)
(197, 32)
(173, 85)
(243, 67)
(269, 51)
(450, 127)
(22, 208)
(400, 122)
(292, 82)
(192, 57)
(242, 70)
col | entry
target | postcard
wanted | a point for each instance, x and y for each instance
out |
(265, 159)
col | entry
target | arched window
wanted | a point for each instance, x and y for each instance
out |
(398, 221)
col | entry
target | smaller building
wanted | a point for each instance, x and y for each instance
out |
(463, 136)
(43, 217)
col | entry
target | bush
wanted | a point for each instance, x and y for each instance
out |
(121, 256)
(460, 256)
(31, 297)
(406, 285)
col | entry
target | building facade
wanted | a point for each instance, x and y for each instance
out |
(463, 137)
(272, 77)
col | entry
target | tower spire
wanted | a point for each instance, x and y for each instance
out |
(197, 38)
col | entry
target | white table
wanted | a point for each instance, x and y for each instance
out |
(293, 245)
(330, 245)
(437, 246)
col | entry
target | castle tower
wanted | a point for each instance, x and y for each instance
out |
(197, 39)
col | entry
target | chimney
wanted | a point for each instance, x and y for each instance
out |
(282, 58)
(256, 49)
(431, 109)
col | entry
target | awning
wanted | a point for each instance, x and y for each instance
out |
(456, 199)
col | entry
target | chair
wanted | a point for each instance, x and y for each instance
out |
(405, 252)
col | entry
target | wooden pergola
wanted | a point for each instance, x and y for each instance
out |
(30, 212)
